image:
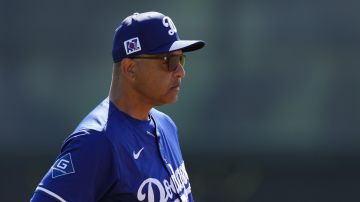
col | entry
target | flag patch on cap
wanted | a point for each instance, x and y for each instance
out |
(132, 45)
(63, 166)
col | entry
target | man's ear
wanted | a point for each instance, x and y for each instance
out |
(128, 68)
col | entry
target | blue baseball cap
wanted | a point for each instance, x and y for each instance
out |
(149, 33)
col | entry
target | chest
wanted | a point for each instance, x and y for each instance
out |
(150, 167)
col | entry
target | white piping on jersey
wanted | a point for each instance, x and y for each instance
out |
(149, 133)
(50, 193)
(76, 136)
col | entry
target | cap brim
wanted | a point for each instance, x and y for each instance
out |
(184, 45)
(187, 45)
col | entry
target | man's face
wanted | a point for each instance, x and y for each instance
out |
(155, 84)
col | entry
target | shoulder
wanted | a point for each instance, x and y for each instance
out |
(96, 119)
(90, 142)
(91, 132)
(164, 123)
(162, 117)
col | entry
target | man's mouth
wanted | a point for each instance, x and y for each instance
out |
(175, 87)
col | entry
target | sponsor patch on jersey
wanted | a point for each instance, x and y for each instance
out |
(63, 166)
(132, 45)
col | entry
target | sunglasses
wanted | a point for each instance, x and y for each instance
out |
(172, 61)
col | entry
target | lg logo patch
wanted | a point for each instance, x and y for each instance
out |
(63, 166)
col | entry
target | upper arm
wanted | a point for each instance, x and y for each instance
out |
(83, 171)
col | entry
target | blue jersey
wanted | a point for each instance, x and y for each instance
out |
(114, 157)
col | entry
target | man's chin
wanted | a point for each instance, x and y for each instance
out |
(168, 101)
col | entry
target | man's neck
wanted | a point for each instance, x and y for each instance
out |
(130, 105)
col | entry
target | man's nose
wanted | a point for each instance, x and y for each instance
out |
(180, 71)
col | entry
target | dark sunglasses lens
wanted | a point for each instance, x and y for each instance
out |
(175, 60)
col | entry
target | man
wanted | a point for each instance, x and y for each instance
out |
(125, 150)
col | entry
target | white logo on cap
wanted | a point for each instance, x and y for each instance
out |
(167, 22)
(132, 45)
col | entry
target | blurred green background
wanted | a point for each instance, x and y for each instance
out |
(269, 109)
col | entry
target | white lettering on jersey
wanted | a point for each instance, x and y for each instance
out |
(166, 190)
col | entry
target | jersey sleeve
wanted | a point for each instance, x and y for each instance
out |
(83, 171)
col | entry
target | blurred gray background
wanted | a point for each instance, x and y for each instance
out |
(269, 110)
